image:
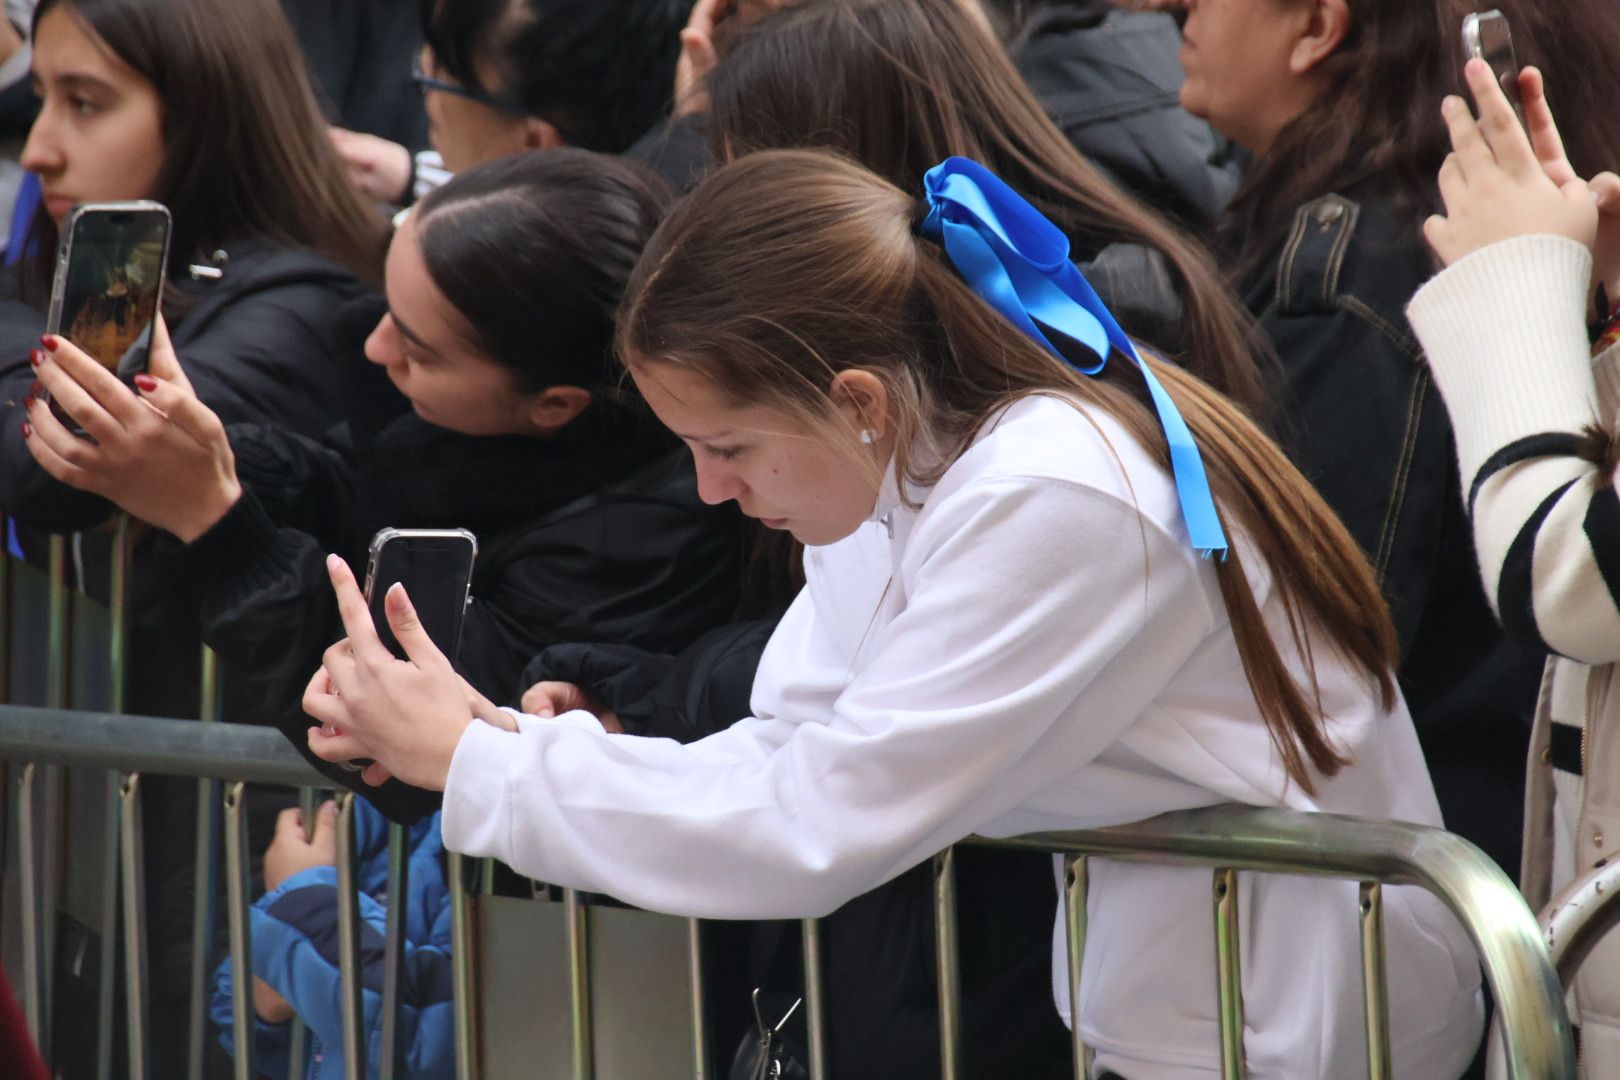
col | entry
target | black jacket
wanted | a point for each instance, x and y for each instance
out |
(259, 346)
(595, 535)
(1111, 80)
(1366, 426)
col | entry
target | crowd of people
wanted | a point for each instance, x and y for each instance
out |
(882, 421)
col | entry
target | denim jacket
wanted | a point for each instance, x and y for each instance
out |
(1364, 423)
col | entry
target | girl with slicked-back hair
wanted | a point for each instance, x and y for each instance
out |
(1037, 599)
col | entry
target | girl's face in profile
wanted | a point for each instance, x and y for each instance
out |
(99, 134)
(777, 471)
(426, 347)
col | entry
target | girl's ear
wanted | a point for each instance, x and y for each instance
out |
(1324, 31)
(557, 406)
(540, 135)
(863, 400)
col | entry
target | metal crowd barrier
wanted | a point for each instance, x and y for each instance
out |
(1535, 1028)
(41, 740)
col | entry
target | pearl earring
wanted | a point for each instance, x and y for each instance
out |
(868, 436)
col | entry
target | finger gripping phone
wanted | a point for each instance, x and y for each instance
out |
(108, 284)
(1486, 35)
(435, 566)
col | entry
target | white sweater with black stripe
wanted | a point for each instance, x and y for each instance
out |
(1505, 334)
(1504, 331)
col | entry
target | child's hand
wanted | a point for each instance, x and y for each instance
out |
(1495, 184)
(290, 852)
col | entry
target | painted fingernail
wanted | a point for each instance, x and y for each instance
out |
(35, 357)
(28, 402)
(33, 391)
(146, 383)
(50, 341)
(28, 431)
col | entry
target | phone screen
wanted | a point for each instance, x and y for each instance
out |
(1488, 37)
(108, 292)
(436, 568)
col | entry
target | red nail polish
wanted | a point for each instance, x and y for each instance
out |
(33, 391)
(50, 341)
(28, 431)
(35, 357)
(146, 383)
(28, 402)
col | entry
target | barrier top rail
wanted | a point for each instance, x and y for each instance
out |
(1505, 933)
(147, 744)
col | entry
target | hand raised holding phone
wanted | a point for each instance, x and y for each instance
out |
(1502, 180)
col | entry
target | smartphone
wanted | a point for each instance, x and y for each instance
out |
(1486, 35)
(436, 567)
(109, 281)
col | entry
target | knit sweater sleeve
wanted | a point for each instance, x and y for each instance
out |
(1505, 337)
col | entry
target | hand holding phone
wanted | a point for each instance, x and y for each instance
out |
(1500, 188)
(108, 285)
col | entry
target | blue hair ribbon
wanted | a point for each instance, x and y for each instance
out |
(1018, 262)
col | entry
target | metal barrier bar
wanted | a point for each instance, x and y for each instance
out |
(34, 988)
(389, 1051)
(1536, 1025)
(1076, 884)
(130, 845)
(298, 1033)
(463, 942)
(1229, 975)
(1374, 982)
(947, 961)
(348, 911)
(205, 880)
(241, 929)
(118, 607)
(700, 1033)
(58, 693)
(579, 985)
(152, 745)
(815, 1001)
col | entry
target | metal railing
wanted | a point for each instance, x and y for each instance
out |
(1227, 839)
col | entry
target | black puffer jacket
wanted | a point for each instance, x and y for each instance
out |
(596, 535)
(1111, 79)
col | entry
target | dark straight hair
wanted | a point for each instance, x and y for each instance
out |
(599, 71)
(245, 150)
(534, 250)
(900, 85)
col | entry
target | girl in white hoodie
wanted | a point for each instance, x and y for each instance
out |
(1023, 612)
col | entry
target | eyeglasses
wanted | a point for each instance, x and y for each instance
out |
(425, 82)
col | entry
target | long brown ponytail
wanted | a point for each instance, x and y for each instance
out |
(787, 267)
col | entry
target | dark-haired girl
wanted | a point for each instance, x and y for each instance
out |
(1010, 624)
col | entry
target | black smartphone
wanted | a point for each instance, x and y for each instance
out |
(436, 568)
(108, 285)
(1486, 35)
